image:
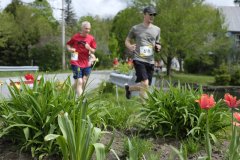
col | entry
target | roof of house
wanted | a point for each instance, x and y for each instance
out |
(232, 17)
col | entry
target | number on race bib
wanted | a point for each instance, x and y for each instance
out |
(74, 56)
(146, 51)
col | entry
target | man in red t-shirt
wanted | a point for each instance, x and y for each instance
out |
(81, 45)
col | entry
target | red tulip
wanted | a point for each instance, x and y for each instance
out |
(206, 101)
(29, 77)
(237, 116)
(231, 101)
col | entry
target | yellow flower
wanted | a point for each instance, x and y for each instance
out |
(18, 86)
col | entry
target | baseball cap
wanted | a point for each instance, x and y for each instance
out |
(150, 10)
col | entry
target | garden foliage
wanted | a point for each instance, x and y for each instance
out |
(31, 113)
(173, 113)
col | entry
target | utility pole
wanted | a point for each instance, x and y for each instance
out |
(63, 35)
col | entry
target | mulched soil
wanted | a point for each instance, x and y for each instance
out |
(10, 151)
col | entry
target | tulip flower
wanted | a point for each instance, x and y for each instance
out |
(236, 115)
(231, 101)
(236, 124)
(29, 77)
(206, 102)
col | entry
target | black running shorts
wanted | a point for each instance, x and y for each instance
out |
(144, 71)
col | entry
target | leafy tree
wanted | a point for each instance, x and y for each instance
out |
(122, 23)
(43, 8)
(48, 57)
(11, 8)
(30, 28)
(113, 45)
(69, 14)
(142, 3)
(7, 29)
(16, 50)
(189, 27)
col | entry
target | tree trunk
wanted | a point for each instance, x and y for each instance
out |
(180, 64)
(169, 63)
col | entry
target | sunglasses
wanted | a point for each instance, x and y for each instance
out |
(152, 14)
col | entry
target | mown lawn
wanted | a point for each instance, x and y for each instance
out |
(190, 78)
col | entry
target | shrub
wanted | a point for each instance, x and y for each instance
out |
(105, 60)
(222, 76)
(174, 113)
(111, 109)
(123, 68)
(199, 63)
(48, 57)
(223, 79)
(235, 78)
(31, 113)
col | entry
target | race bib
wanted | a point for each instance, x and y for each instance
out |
(74, 56)
(146, 51)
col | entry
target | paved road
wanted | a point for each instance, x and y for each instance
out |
(95, 79)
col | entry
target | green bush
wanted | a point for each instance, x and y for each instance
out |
(48, 57)
(107, 87)
(199, 63)
(31, 113)
(223, 79)
(123, 68)
(235, 78)
(109, 109)
(222, 76)
(105, 60)
(175, 113)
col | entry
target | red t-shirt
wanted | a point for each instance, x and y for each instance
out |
(83, 53)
